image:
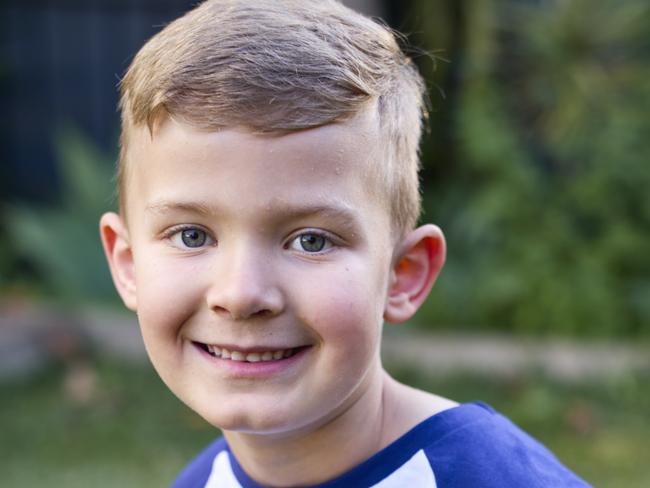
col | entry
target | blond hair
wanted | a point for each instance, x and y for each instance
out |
(276, 66)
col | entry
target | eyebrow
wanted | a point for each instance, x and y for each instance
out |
(335, 211)
(187, 207)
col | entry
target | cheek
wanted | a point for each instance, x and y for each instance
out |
(344, 308)
(167, 295)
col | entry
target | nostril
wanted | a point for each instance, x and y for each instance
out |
(242, 315)
(238, 302)
(257, 314)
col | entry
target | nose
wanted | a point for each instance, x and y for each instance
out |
(244, 285)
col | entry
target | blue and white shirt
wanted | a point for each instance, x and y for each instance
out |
(468, 446)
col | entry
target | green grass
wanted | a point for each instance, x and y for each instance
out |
(131, 432)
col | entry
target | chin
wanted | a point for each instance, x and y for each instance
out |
(251, 419)
(261, 422)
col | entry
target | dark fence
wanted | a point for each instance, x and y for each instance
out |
(60, 64)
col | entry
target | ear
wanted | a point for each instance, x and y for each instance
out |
(117, 247)
(416, 266)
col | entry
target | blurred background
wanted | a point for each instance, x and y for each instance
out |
(536, 166)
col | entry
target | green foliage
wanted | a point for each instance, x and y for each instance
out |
(6, 256)
(546, 206)
(61, 242)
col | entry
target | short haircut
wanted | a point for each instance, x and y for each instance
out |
(277, 66)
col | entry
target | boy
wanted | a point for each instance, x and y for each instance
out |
(268, 203)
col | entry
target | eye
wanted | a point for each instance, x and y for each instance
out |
(311, 242)
(190, 237)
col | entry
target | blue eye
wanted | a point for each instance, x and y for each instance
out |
(191, 237)
(311, 242)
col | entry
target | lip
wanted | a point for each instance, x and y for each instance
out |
(243, 369)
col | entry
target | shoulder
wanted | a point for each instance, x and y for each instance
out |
(473, 445)
(197, 472)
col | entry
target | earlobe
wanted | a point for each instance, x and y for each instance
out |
(119, 254)
(416, 267)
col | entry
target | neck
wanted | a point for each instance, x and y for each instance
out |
(381, 413)
(307, 457)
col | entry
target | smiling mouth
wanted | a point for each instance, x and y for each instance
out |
(249, 357)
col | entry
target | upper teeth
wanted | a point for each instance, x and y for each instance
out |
(251, 357)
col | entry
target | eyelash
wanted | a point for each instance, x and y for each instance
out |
(179, 229)
(329, 241)
(328, 238)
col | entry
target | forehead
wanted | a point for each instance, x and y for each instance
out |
(336, 162)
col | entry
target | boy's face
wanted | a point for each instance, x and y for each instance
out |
(259, 247)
